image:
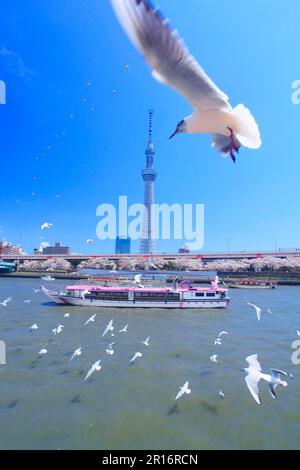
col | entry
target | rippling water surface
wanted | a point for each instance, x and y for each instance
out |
(45, 404)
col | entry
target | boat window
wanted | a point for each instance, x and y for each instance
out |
(115, 295)
(160, 296)
(210, 294)
(110, 295)
(199, 294)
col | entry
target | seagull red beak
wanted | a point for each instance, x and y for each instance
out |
(174, 133)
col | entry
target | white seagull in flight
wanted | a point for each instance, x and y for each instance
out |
(183, 390)
(84, 293)
(213, 358)
(254, 374)
(172, 64)
(108, 328)
(33, 327)
(58, 329)
(257, 309)
(5, 302)
(223, 333)
(136, 355)
(95, 367)
(124, 330)
(110, 350)
(41, 353)
(46, 225)
(146, 342)
(91, 319)
(77, 352)
(137, 280)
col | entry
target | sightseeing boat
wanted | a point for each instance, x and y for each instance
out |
(182, 296)
(251, 284)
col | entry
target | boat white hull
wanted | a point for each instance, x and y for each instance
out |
(66, 300)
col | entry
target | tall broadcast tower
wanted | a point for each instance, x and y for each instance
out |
(148, 241)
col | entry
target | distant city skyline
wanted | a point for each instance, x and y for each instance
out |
(73, 126)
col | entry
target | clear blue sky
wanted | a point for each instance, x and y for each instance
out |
(49, 50)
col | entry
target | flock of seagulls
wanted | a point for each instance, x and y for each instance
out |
(254, 373)
(46, 149)
(96, 366)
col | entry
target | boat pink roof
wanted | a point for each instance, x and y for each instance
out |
(91, 288)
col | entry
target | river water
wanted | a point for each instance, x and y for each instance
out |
(46, 404)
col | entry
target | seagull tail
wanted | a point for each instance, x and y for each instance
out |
(246, 129)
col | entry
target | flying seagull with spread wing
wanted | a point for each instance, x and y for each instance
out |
(254, 374)
(173, 65)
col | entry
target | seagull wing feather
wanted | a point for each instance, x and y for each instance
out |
(272, 388)
(277, 373)
(252, 384)
(167, 54)
(253, 362)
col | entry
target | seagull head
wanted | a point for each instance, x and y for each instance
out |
(181, 127)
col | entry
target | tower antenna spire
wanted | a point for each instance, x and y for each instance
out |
(150, 124)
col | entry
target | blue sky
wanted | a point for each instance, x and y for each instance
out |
(51, 50)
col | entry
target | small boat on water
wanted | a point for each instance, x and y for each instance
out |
(181, 296)
(251, 284)
(48, 278)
